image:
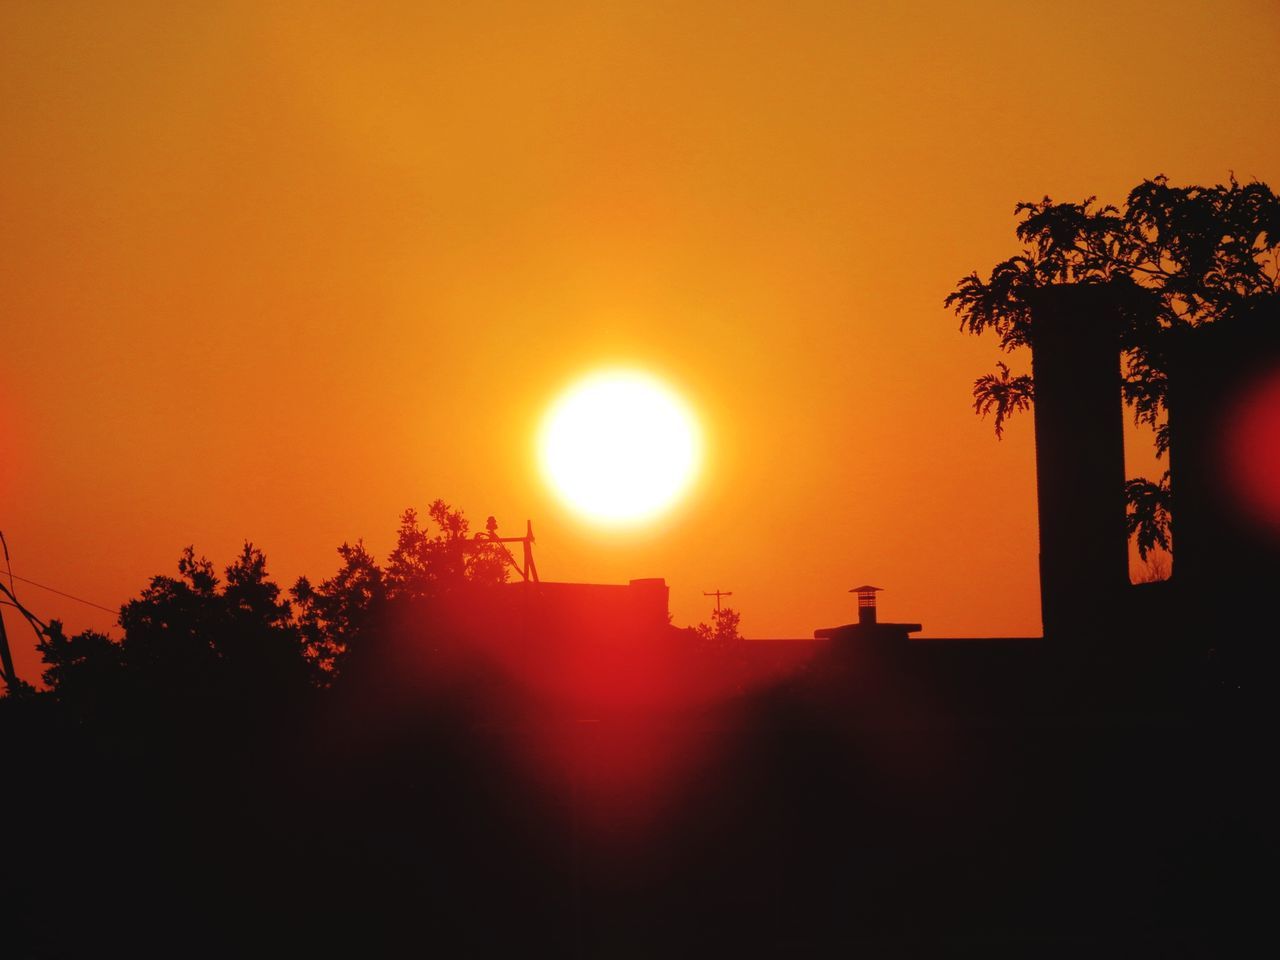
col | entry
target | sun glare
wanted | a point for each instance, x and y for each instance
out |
(619, 447)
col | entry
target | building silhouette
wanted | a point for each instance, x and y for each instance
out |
(1223, 559)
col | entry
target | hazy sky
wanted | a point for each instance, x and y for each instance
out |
(279, 271)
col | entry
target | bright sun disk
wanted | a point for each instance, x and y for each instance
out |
(619, 447)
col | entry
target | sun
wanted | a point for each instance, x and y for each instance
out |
(619, 447)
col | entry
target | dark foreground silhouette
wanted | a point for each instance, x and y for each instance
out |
(425, 759)
(645, 791)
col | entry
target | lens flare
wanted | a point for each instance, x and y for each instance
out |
(619, 447)
(1253, 451)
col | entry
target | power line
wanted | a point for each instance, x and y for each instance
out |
(69, 596)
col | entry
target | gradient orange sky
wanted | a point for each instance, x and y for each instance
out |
(279, 271)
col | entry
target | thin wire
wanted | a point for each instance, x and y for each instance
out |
(13, 590)
(61, 593)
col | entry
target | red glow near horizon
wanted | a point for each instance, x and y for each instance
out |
(1252, 451)
(637, 720)
(614, 725)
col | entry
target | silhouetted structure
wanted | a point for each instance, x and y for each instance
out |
(7, 673)
(557, 757)
(718, 594)
(598, 609)
(1225, 560)
(868, 627)
(1079, 425)
(547, 635)
(528, 570)
(520, 611)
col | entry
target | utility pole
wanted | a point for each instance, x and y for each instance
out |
(6, 660)
(6, 655)
(39, 626)
(718, 593)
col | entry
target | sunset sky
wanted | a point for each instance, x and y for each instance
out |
(279, 271)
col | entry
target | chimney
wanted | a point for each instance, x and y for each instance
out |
(866, 604)
(1079, 424)
(1221, 548)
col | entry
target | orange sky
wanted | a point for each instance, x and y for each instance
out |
(278, 271)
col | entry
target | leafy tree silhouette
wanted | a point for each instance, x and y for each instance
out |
(423, 565)
(722, 630)
(1182, 257)
(185, 636)
(338, 615)
(82, 670)
(171, 629)
(1148, 518)
(1002, 393)
(260, 644)
(718, 649)
(198, 638)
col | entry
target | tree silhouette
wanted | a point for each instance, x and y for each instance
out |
(1148, 519)
(260, 642)
(83, 669)
(199, 638)
(336, 616)
(425, 565)
(1178, 256)
(183, 635)
(723, 628)
(171, 629)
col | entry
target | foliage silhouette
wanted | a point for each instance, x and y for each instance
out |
(1186, 256)
(337, 615)
(83, 668)
(722, 630)
(184, 634)
(1003, 394)
(422, 565)
(196, 637)
(1148, 519)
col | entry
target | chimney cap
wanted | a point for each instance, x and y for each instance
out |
(865, 588)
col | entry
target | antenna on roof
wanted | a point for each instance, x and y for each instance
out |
(529, 570)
